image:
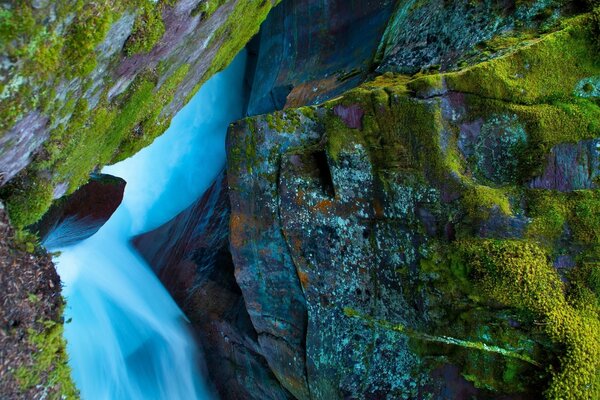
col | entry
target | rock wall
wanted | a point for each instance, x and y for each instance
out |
(190, 254)
(33, 359)
(387, 241)
(424, 236)
(309, 51)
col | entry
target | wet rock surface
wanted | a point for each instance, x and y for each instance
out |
(310, 51)
(78, 216)
(190, 254)
(353, 214)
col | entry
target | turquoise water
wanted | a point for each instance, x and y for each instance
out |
(127, 339)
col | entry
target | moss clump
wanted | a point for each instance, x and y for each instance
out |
(479, 200)
(237, 30)
(207, 8)
(85, 33)
(517, 274)
(554, 212)
(283, 121)
(148, 29)
(28, 199)
(50, 362)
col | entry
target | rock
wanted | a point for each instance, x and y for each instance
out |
(20, 143)
(190, 254)
(310, 51)
(349, 219)
(351, 115)
(571, 166)
(441, 34)
(76, 217)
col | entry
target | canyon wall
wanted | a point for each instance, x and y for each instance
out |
(427, 235)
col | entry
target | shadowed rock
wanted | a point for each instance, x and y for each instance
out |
(310, 51)
(78, 216)
(190, 254)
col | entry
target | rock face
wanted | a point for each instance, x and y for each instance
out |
(190, 254)
(309, 51)
(433, 236)
(78, 216)
(387, 242)
(441, 34)
(571, 167)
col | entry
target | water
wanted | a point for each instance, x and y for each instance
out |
(127, 339)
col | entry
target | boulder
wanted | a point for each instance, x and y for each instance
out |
(78, 216)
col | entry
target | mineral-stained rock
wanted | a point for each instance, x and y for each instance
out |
(78, 216)
(309, 51)
(190, 254)
(352, 221)
(440, 34)
(571, 167)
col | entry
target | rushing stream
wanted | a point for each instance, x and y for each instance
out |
(127, 339)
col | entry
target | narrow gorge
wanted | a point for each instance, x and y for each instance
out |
(300, 199)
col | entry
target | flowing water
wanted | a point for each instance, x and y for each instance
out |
(127, 339)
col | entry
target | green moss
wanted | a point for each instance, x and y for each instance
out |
(148, 29)
(550, 212)
(553, 211)
(426, 85)
(207, 8)
(479, 200)
(284, 121)
(517, 274)
(243, 23)
(50, 368)
(546, 69)
(29, 199)
(585, 218)
(87, 31)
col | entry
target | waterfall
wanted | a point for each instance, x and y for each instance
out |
(126, 337)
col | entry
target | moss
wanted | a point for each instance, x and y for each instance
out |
(517, 274)
(585, 219)
(29, 199)
(88, 29)
(553, 211)
(243, 23)
(50, 363)
(49, 367)
(550, 212)
(426, 85)
(547, 69)
(479, 200)
(284, 121)
(148, 29)
(207, 8)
